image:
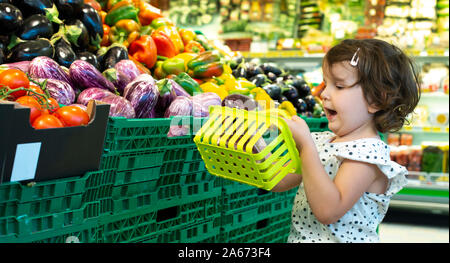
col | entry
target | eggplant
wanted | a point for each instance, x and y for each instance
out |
(89, 57)
(178, 89)
(87, 76)
(240, 72)
(271, 67)
(36, 26)
(64, 53)
(259, 80)
(61, 91)
(11, 19)
(120, 107)
(113, 56)
(91, 19)
(79, 41)
(4, 41)
(300, 105)
(240, 101)
(2, 57)
(43, 7)
(117, 78)
(310, 102)
(166, 96)
(46, 68)
(202, 101)
(128, 68)
(92, 94)
(69, 8)
(291, 93)
(31, 49)
(181, 106)
(273, 90)
(22, 65)
(143, 93)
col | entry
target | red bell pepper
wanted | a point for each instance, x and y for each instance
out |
(147, 13)
(143, 50)
(164, 45)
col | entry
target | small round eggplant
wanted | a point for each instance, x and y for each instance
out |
(64, 53)
(69, 8)
(89, 57)
(36, 26)
(31, 49)
(82, 41)
(11, 19)
(112, 56)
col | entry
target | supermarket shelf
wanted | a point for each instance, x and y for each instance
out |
(297, 59)
(429, 191)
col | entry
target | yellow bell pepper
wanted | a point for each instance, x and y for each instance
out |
(244, 83)
(213, 87)
(263, 99)
(186, 57)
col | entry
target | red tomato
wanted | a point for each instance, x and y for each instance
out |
(13, 79)
(54, 105)
(36, 89)
(47, 121)
(34, 105)
(72, 116)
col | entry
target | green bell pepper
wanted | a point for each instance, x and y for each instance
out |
(121, 12)
(187, 83)
(204, 58)
(173, 66)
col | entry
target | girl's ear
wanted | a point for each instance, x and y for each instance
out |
(372, 109)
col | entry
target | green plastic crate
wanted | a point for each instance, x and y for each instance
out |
(273, 229)
(235, 218)
(145, 223)
(317, 124)
(23, 226)
(127, 135)
(88, 232)
(16, 191)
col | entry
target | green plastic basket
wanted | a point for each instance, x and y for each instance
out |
(228, 139)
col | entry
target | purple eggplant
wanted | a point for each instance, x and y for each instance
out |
(22, 65)
(181, 106)
(60, 90)
(117, 78)
(201, 103)
(128, 68)
(166, 96)
(119, 106)
(178, 89)
(46, 68)
(87, 76)
(92, 94)
(143, 94)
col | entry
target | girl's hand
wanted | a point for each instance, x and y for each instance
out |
(300, 132)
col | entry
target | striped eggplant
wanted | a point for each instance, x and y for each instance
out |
(202, 101)
(92, 94)
(87, 76)
(60, 90)
(46, 68)
(143, 94)
(120, 107)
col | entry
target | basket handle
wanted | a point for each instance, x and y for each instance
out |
(281, 112)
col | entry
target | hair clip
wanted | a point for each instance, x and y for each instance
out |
(355, 59)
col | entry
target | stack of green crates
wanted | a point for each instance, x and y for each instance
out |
(149, 188)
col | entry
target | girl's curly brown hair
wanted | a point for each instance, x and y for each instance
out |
(387, 76)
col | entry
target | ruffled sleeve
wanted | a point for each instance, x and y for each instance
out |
(376, 152)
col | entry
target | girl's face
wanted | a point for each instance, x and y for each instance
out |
(348, 113)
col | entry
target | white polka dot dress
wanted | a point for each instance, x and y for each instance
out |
(360, 222)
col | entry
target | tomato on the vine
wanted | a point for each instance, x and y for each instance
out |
(33, 104)
(13, 79)
(36, 89)
(47, 121)
(53, 105)
(72, 116)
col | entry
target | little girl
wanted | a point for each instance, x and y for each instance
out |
(347, 176)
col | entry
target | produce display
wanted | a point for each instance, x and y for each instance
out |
(127, 54)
